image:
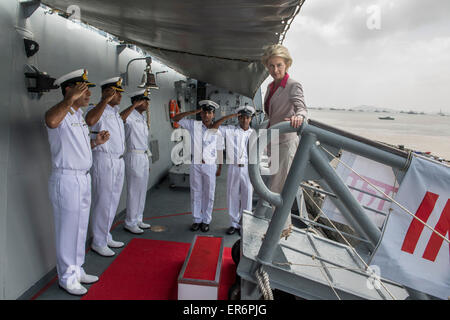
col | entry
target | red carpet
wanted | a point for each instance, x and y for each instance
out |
(148, 270)
(203, 261)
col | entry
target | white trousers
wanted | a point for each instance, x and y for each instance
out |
(136, 172)
(107, 183)
(287, 152)
(239, 193)
(202, 180)
(70, 195)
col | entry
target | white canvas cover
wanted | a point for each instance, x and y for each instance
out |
(409, 252)
(218, 42)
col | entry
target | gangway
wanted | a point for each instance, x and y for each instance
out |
(306, 264)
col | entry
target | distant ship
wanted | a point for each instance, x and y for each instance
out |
(386, 118)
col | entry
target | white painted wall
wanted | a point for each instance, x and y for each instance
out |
(27, 250)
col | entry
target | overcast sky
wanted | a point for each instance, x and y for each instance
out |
(393, 54)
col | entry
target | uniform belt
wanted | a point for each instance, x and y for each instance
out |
(115, 156)
(72, 172)
(138, 151)
(240, 165)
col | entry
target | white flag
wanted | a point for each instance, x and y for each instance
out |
(409, 252)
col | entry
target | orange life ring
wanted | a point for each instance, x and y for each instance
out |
(173, 110)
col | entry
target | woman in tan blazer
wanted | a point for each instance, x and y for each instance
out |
(284, 101)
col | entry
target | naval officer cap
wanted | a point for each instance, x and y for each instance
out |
(246, 110)
(139, 95)
(74, 78)
(115, 83)
(208, 105)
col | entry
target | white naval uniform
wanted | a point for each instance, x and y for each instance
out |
(239, 187)
(202, 176)
(136, 166)
(108, 172)
(69, 189)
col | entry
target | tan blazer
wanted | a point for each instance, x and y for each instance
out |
(285, 103)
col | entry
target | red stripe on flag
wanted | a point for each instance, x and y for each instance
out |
(435, 243)
(416, 227)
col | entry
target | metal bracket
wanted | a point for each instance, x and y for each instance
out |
(29, 7)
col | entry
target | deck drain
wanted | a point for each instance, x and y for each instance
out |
(158, 228)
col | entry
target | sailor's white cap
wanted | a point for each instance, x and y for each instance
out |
(248, 110)
(74, 77)
(208, 104)
(115, 83)
(140, 94)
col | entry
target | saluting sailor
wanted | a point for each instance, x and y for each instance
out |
(239, 187)
(108, 169)
(136, 160)
(70, 182)
(203, 170)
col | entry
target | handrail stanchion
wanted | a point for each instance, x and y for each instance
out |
(288, 194)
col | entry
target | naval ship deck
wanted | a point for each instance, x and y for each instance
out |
(166, 207)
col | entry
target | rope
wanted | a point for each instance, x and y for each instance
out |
(311, 229)
(390, 198)
(264, 283)
(148, 118)
(348, 243)
(329, 283)
(267, 283)
(322, 271)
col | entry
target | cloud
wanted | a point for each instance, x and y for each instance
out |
(366, 20)
(341, 61)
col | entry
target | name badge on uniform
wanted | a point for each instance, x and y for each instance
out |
(77, 124)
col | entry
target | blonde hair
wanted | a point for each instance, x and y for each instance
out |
(276, 50)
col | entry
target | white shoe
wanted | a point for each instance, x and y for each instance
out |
(133, 229)
(76, 289)
(115, 244)
(103, 251)
(88, 279)
(143, 225)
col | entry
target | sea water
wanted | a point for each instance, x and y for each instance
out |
(419, 132)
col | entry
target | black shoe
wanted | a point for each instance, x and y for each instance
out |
(205, 227)
(195, 226)
(231, 230)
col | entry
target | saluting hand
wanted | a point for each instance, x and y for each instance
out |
(108, 94)
(102, 137)
(137, 103)
(74, 93)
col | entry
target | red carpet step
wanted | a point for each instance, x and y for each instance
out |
(148, 270)
(199, 278)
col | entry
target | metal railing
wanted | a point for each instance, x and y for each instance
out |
(309, 153)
